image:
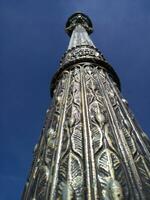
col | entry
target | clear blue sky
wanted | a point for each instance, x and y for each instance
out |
(32, 40)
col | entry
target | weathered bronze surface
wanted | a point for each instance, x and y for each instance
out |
(91, 147)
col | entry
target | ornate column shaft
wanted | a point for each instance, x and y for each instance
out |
(91, 147)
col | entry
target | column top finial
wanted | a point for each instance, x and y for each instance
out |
(78, 18)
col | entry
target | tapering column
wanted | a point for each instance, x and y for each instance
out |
(91, 146)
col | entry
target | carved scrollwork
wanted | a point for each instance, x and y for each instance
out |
(81, 52)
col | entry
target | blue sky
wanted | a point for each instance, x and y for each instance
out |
(32, 41)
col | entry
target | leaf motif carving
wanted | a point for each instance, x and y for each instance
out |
(126, 130)
(129, 140)
(97, 137)
(76, 140)
(110, 173)
(146, 140)
(42, 179)
(71, 178)
(66, 140)
(144, 171)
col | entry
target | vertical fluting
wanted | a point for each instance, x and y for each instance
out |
(56, 162)
(139, 138)
(91, 183)
(124, 148)
(52, 121)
